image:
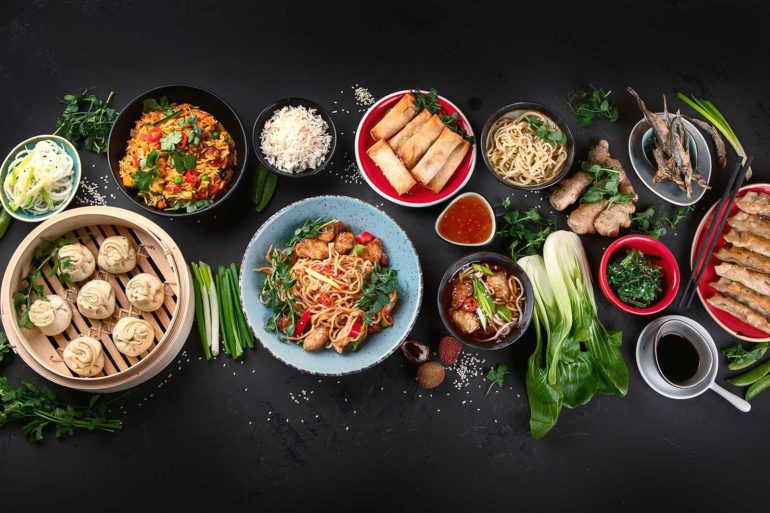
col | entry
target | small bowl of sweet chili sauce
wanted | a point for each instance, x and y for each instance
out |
(468, 221)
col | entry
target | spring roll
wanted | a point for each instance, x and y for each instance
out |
(450, 166)
(409, 130)
(396, 118)
(416, 146)
(750, 223)
(393, 169)
(745, 258)
(430, 164)
(749, 241)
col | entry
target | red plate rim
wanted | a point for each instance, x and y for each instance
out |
(467, 166)
(727, 322)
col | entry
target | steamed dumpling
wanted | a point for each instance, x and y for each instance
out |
(52, 316)
(145, 292)
(96, 300)
(116, 255)
(80, 260)
(84, 356)
(132, 336)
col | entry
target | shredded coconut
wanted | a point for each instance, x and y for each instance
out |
(295, 139)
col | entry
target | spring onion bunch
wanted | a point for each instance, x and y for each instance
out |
(575, 355)
(709, 111)
(218, 311)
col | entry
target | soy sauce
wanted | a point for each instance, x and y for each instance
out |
(677, 358)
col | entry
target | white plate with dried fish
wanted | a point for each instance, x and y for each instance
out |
(695, 147)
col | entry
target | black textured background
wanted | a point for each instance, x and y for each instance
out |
(221, 436)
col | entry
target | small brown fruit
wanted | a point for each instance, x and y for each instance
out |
(449, 349)
(430, 374)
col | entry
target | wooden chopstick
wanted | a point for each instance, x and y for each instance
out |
(717, 225)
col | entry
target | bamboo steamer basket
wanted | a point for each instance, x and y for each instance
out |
(157, 254)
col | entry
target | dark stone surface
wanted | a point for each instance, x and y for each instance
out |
(228, 435)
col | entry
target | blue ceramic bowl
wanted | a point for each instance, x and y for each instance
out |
(29, 144)
(360, 216)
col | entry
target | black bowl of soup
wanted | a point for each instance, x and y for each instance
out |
(485, 300)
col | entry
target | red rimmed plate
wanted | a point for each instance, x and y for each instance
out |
(419, 196)
(729, 323)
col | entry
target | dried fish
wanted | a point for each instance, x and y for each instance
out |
(671, 151)
(719, 143)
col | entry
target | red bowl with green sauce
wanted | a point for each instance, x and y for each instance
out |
(658, 254)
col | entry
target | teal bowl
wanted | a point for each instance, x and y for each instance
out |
(29, 144)
(360, 216)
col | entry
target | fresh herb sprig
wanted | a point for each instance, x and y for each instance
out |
(376, 293)
(739, 358)
(527, 230)
(604, 185)
(40, 408)
(87, 119)
(497, 376)
(310, 229)
(275, 292)
(550, 134)
(591, 105)
(430, 102)
(647, 223)
(44, 254)
(6, 351)
(162, 105)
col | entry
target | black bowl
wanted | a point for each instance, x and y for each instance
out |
(444, 296)
(545, 111)
(268, 112)
(202, 98)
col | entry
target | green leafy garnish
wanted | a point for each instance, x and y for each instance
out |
(430, 102)
(527, 230)
(604, 185)
(496, 375)
(739, 358)
(151, 104)
(169, 141)
(190, 206)
(646, 223)
(275, 292)
(38, 408)
(6, 352)
(588, 106)
(32, 282)
(376, 293)
(87, 119)
(309, 229)
(549, 134)
(635, 279)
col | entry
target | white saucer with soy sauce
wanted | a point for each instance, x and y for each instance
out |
(678, 359)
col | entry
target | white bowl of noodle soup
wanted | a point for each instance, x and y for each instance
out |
(516, 156)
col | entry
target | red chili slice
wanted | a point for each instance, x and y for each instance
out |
(470, 305)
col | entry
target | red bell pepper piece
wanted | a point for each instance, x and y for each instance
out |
(364, 238)
(355, 331)
(183, 143)
(302, 323)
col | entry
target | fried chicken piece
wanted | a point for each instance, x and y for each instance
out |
(373, 251)
(581, 220)
(498, 282)
(569, 190)
(316, 339)
(344, 243)
(467, 322)
(460, 292)
(311, 248)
